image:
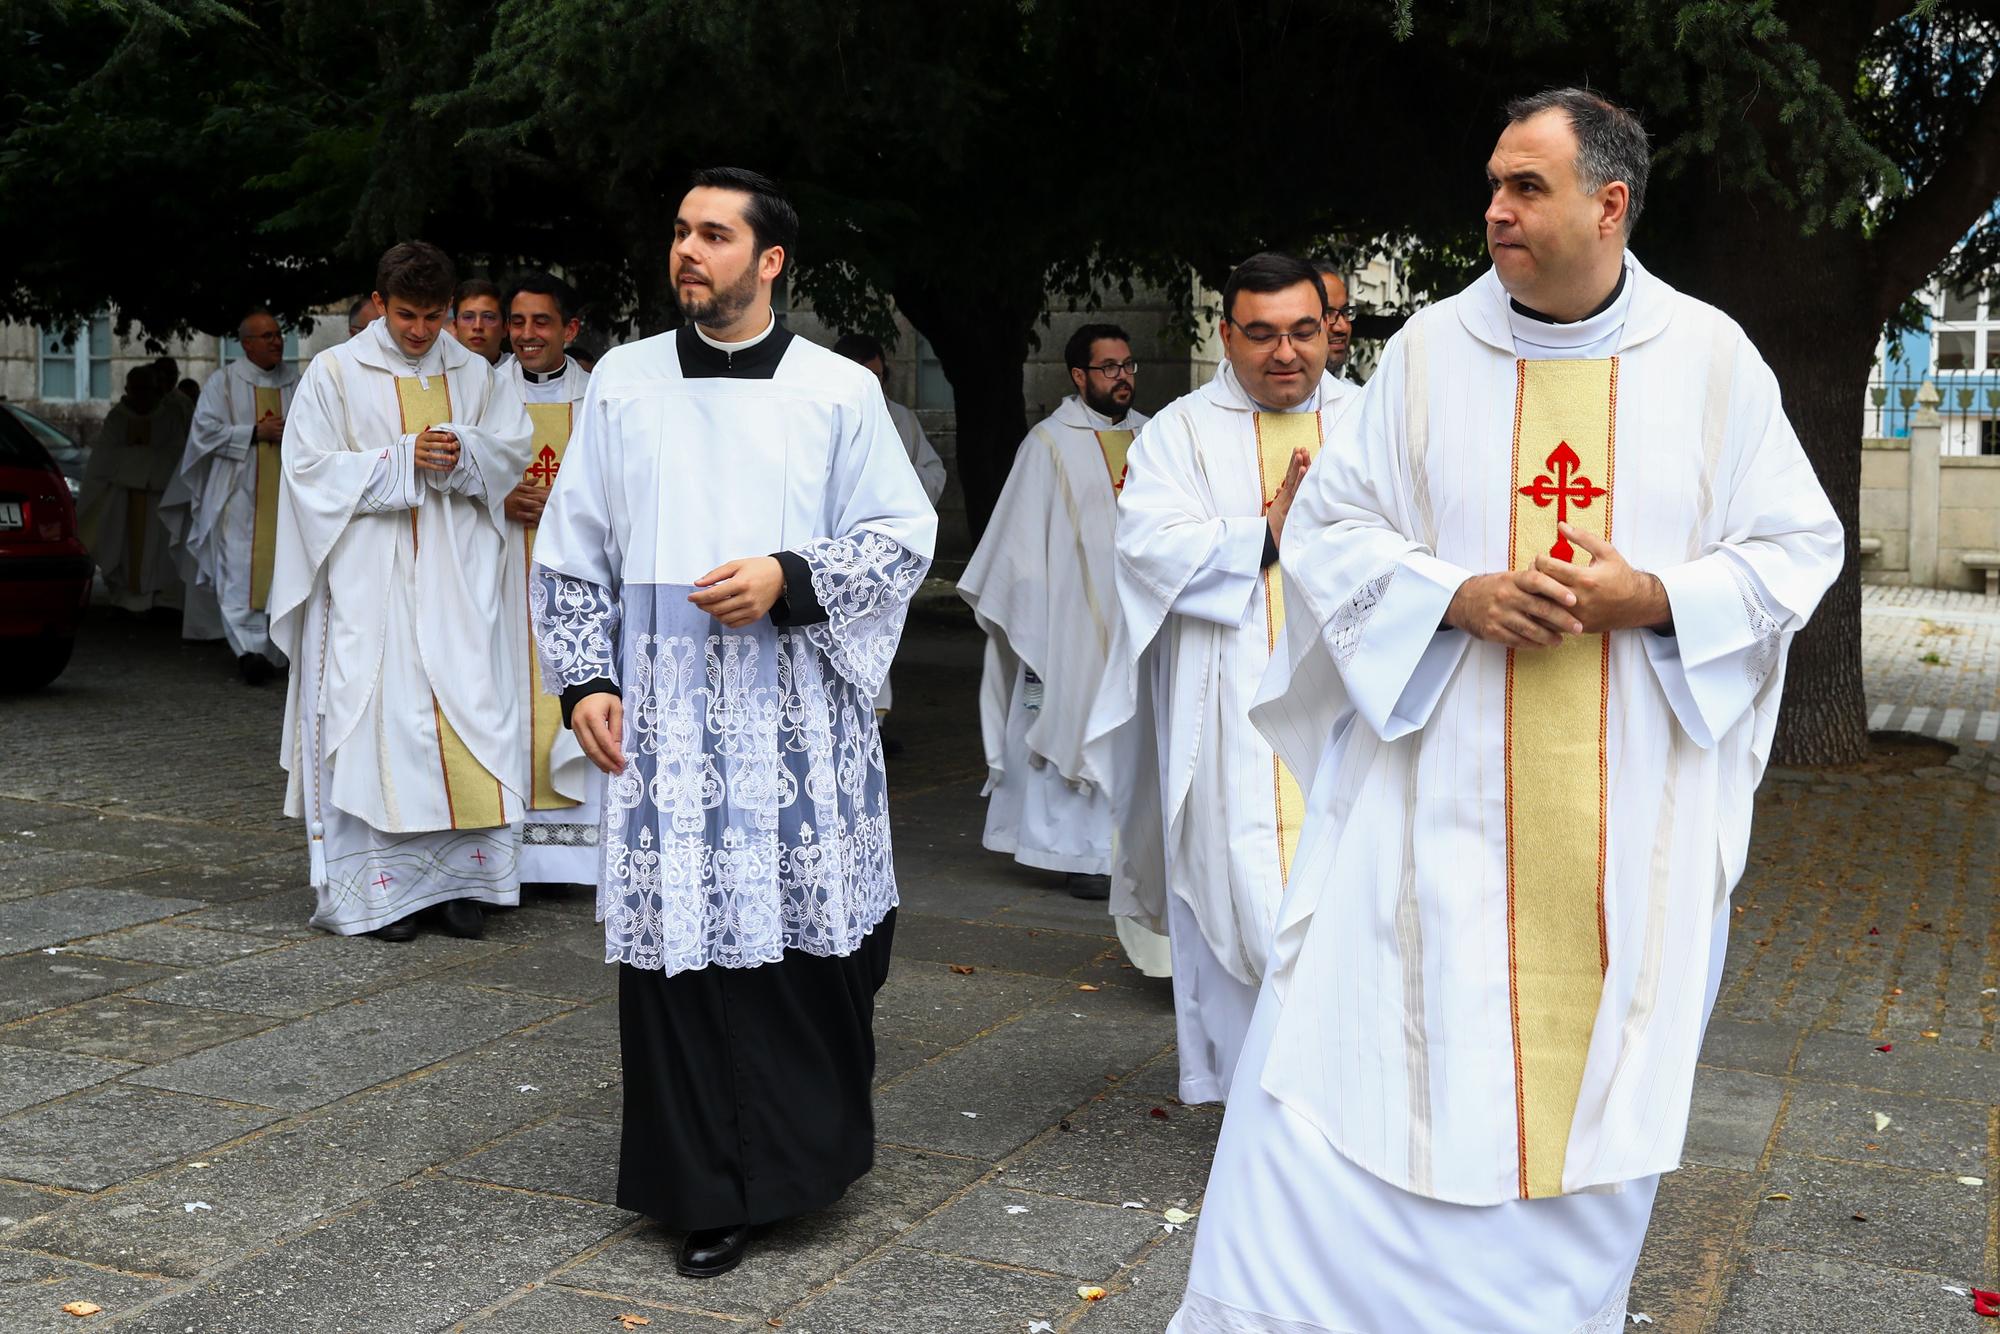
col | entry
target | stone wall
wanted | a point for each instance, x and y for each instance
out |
(1927, 509)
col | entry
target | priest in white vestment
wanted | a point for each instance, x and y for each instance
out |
(1208, 815)
(132, 460)
(722, 574)
(389, 596)
(1542, 584)
(225, 512)
(559, 834)
(1041, 584)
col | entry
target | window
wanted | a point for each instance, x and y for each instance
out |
(1955, 349)
(933, 389)
(77, 368)
(1965, 332)
(1989, 437)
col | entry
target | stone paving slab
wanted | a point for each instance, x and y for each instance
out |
(21, 1203)
(1123, 1148)
(177, 946)
(315, 974)
(1785, 1292)
(211, 883)
(907, 1289)
(419, 1259)
(35, 870)
(115, 1131)
(1928, 1134)
(70, 914)
(35, 1288)
(564, 1156)
(137, 1031)
(567, 966)
(1086, 1242)
(28, 1076)
(33, 983)
(1907, 1220)
(551, 1309)
(318, 1059)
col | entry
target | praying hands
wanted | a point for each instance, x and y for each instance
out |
(1536, 607)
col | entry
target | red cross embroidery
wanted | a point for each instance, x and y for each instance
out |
(382, 880)
(542, 472)
(479, 856)
(1565, 488)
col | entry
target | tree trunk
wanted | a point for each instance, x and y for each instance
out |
(1808, 331)
(982, 344)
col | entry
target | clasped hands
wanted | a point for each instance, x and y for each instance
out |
(1536, 607)
(437, 450)
(735, 594)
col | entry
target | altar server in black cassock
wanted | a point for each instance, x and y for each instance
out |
(747, 889)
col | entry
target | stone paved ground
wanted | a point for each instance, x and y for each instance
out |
(214, 1119)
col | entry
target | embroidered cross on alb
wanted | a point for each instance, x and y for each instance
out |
(1567, 487)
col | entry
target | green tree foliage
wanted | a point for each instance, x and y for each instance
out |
(971, 163)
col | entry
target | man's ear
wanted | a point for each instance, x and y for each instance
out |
(771, 263)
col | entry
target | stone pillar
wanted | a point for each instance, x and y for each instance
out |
(1926, 430)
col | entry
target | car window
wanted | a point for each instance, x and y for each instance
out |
(67, 454)
(18, 447)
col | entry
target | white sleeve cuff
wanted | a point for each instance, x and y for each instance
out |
(1405, 657)
(1221, 588)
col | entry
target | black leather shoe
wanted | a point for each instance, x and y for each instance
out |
(463, 918)
(713, 1251)
(403, 928)
(255, 669)
(1094, 888)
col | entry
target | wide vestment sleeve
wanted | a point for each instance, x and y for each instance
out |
(1007, 584)
(1367, 590)
(881, 531)
(216, 447)
(1737, 604)
(579, 564)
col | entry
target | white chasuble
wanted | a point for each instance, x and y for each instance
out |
(223, 511)
(1209, 815)
(389, 590)
(1042, 587)
(752, 815)
(559, 834)
(1505, 927)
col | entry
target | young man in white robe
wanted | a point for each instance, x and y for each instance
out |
(1208, 815)
(559, 835)
(225, 510)
(1542, 583)
(723, 569)
(403, 729)
(477, 321)
(1041, 584)
(132, 460)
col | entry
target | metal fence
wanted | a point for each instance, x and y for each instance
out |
(1968, 403)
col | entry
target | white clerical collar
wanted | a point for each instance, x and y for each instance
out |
(1588, 332)
(545, 377)
(721, 346)
(416, 365)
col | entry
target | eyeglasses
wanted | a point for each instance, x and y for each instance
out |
(1341, 313)
(1298, 335)
(479, 317)
(1111, 370)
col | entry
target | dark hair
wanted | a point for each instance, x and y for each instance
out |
(1611, 144)
(190, 388)
(859, 347)
(356, 308)
(773, 221)
(1076, 352)
(475, 287)
(1269, 272)
(548, 285)
(416, 271)
(585, 352)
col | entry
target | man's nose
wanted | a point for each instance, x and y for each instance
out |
(1498, 212)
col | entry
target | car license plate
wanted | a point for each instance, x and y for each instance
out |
(10, 514)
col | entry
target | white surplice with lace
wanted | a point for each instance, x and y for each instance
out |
(752, 815)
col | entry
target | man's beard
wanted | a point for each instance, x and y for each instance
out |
(1106, 404)
(723, 305)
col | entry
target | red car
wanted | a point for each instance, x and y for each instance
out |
(45, 571)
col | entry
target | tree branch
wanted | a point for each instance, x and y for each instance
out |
(1927, 224)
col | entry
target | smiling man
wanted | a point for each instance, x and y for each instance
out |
(1541, 584)
(402, 725)
(1209, 816)
(559, 836)
(1339, 320)
(722, 573)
